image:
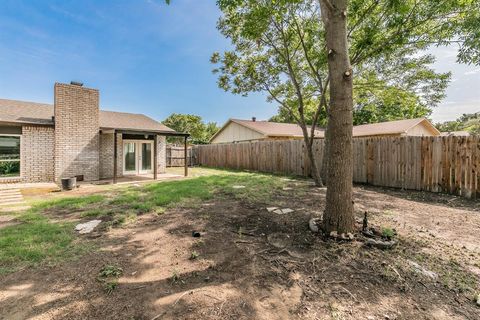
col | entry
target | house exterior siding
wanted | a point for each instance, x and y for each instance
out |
(37, 160)
(76, 132)
(235, 132)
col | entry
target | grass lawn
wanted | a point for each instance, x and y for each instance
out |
(42, 236)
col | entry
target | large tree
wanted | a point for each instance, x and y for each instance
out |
(280, 48)
(338, 215)
(276, 50)
(200, 132)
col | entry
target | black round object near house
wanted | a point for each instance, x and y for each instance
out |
(69, 183)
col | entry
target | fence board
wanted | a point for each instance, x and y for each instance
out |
(437, 164)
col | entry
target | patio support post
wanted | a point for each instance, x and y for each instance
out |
(155, 157)
(185, 157)
(115, 152)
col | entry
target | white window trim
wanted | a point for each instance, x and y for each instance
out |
(21, 162)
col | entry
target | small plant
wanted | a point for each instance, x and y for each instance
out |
(194, 255)
(110, 286)
(198, 243)
(110, 271)
(175, 276)
(240, 231)
(388, 233)
(160, 210)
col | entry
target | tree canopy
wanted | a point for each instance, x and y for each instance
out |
(200, 132)
(388, 39)
(466, 122)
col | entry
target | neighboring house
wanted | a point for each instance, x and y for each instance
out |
(235, 130)
(456, 134)
(73, 137)
(398, 128)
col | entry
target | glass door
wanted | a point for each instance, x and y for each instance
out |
(146, 157)
(129, 157)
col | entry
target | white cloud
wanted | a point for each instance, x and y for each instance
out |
(472, 72)
(451, 110)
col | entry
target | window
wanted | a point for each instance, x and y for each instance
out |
(9, 156)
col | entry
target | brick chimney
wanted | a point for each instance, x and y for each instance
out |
(76, 131)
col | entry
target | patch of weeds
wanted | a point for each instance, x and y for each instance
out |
(110, 286)
(335, 312)
(108, 276)
(160, 210)
(194, 255)
(456, 278)
(110, 271)
(198, 243)
(94, 213)
(388, 233)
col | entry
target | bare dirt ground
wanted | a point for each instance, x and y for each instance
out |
(253, 264)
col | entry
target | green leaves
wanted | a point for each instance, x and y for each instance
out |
(200, 132)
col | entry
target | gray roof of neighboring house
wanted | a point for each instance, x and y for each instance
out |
(14, 111)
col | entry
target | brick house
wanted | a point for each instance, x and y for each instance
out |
(73, 137)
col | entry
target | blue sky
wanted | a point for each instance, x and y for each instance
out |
(146, 57)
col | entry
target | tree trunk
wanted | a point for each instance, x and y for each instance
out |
(338, 214)
(314, 168)
(323, 170)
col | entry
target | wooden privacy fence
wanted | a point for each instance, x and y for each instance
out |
(437, 164)
(175, 156)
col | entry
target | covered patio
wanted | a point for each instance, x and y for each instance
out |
(140, 155)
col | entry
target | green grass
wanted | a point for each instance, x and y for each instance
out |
(38, 239)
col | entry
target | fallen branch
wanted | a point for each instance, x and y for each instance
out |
(351, 294)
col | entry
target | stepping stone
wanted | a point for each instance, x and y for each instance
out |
(287, 189)
(87, 227)
(238, 187)
(283, 211)
(270, 209)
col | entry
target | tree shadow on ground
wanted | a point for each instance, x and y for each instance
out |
(250, 264)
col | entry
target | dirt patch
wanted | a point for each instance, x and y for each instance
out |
(6, 220)
(249, 263)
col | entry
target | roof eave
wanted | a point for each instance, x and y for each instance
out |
(146, 131)
(49, 124)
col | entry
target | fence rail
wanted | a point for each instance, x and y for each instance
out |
(175, 156)
(436, 164)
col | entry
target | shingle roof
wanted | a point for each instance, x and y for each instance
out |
(390, 127)
(25, 112)
(275, 129)
(14, 111)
